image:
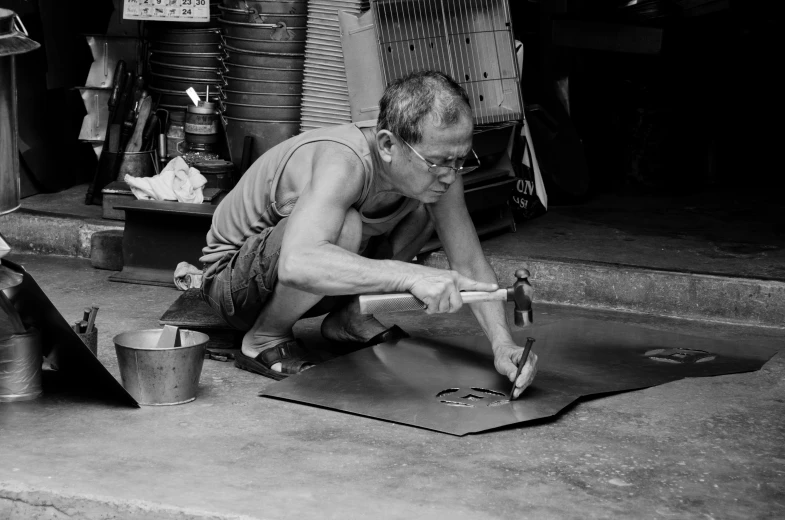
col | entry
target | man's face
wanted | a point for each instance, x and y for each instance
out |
(442, 146)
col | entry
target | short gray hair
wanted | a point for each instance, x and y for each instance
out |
(408, 100)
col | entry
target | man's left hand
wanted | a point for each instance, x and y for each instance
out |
(506, 359)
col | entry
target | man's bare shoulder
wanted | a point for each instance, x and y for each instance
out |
(331, 163)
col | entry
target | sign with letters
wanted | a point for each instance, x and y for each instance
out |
(167, 10)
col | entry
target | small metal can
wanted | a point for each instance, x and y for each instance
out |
(202, 120)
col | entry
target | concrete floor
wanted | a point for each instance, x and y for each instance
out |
(706, 448)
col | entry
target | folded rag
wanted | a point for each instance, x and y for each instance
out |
(187, 276)
(177, 182)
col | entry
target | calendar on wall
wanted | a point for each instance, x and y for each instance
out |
(167, 10)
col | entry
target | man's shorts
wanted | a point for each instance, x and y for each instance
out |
(239, 289)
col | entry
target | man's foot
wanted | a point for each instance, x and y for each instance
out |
(289, 358)
(347, 325)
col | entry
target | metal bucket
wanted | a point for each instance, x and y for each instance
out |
(255, 45)
(162, 82)
(265, 134)
(268, 6)
(197, 48)
(263, 98)
(20, 366)
(252, 16)
(199, 36)
(199, 73)
(164, 376)
(180, 98)
(260, 85)
(265, 73)
(135, 164)
(279, 31)
(277, 60)
(189, 59)
(262, 112)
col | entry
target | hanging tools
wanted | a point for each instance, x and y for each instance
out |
(119, 85)
(141, 117)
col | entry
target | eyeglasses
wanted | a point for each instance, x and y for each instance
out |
(438, 170)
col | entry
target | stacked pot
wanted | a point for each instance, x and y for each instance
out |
(265, 44)
(183, 55)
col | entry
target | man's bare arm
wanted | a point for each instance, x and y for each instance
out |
(311, 261)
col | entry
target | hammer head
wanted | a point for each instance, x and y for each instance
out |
(522, 293)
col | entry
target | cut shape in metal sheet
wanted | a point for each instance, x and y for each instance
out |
(450, 385)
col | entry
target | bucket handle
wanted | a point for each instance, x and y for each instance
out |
(19, 26)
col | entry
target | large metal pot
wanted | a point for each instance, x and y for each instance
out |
(262, 98)
(258, 112)
(162, 82)
(269, 6)
(186, 36)
(265, 134)
(193, 48)
(265, 73)
(201, 73)
(188, 59)
(276, 60)
(258, 85)
(278, 32)
(255, 17)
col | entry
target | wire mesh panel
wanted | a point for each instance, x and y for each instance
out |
(471, 40)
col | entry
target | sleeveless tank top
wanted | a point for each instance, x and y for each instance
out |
(251, 206)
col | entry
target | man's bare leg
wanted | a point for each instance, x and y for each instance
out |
(286, 305)
(346, 323)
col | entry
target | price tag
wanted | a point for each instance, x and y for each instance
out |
(167, 10)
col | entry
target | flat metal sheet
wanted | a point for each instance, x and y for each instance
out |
(450, 385)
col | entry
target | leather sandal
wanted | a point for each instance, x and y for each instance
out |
(292, 356)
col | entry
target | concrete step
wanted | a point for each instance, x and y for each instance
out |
(585, 283)
(743, 301)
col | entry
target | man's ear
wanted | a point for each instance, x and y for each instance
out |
(385, 143)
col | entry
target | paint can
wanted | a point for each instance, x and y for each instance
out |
(202, 123)
(20, 366)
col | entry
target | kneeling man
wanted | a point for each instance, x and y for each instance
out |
(303, 226)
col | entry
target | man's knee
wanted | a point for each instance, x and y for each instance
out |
(351, 232)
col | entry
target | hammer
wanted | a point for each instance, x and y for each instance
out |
(520, 292)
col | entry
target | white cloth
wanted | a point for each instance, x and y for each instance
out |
(177, 182)
(187, 276)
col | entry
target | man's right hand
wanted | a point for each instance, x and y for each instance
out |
(439, 289)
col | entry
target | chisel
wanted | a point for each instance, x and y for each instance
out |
(524, 357)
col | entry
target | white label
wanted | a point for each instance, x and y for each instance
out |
(167, 10)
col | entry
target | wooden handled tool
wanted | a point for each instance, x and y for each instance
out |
(520, 292)
(135, 142)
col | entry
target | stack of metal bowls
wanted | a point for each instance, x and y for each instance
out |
(184, 55)
(325, 89)
(265, 44)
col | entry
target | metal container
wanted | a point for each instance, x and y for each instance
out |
(181, 71)
(261, 112)
(196, 48)
(259, 85)
(219, 173)
(165, 376)
(202, 123)
(265, 73)
(189, 59)
(12, 42)
(269, 99)
(249, 44)
(255, 17)
(161, 82)
(276, 60)
(21, 356)
(193, 36)
(135, 164)
(269, 6)
(180, 98)
(265, 134)
(278, 31)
